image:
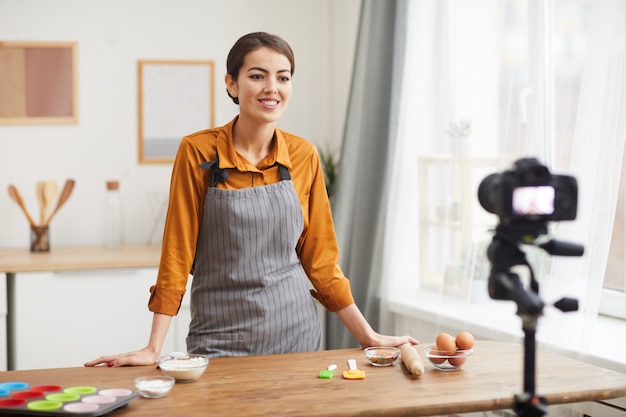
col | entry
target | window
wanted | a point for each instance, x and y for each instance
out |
(489, 82)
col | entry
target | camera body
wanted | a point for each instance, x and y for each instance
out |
(528, 192)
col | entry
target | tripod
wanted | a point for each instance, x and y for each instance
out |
(504, 253)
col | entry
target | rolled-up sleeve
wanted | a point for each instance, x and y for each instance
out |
(184, 214)
(318, 249)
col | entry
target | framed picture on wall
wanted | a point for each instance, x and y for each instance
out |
(175, 98)
(38, 83)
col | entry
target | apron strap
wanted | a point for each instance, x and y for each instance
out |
(217, 174)
(284, 172)
(220, 175)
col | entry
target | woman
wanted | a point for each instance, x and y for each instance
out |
(249, 216)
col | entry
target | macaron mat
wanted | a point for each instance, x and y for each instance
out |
(20, 398)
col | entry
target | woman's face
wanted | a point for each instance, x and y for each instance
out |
(263, 86)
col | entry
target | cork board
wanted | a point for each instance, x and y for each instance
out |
(38, 83)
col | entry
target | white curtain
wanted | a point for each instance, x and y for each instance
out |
(435, 104)
(597, 150)
(370, 131)
(420, 116)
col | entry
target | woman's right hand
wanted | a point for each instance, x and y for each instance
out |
(144, 356)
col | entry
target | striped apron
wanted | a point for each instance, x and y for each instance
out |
(249, 293)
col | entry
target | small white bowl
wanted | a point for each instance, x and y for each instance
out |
(382, 356)
(154, 386)
(185, 368)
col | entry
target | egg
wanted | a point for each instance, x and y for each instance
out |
(464, 341)
(446, 343)
(457, 361)
(437, 360)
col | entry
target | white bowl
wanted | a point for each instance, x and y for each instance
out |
(154, 386)
(186, 368)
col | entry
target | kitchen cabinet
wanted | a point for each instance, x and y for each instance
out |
(67, 318)
(74, 304)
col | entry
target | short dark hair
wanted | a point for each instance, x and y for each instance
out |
(252, 42)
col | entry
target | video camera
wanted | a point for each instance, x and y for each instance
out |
(528, 192)
(525, 198)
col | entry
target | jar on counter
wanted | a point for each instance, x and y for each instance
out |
(113, 216)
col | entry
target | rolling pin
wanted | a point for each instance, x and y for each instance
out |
(411, 359)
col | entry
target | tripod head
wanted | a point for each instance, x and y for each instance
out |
(504, 253)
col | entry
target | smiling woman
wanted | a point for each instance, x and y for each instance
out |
(249, 216)
(237, 56)
(262, 92)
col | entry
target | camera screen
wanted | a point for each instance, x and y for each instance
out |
(528, 201)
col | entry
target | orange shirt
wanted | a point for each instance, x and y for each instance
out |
(317, 247)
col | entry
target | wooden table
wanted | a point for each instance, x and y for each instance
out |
(288, 385)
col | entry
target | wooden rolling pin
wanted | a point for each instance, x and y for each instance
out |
(411, 359)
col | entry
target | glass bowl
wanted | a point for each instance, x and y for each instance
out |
(382, 356)
(154, 386)
(444, 362)
(184, 367)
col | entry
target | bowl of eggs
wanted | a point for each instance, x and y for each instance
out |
(382, 356)
(449, 353)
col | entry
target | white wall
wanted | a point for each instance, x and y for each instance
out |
(112, 35)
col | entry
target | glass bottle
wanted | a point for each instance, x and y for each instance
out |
(113, 222)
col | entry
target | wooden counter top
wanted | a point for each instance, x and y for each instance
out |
(79, 257)
(288, 385)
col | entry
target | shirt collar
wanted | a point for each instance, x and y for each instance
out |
(228, 156)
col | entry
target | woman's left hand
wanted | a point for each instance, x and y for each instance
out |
(392, 341)
(361, 330)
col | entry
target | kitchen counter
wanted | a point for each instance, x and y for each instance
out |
(79, 257)
(51, 287)
(288, 385)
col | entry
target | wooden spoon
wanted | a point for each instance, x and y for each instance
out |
(17, 197)
(42, 201)
(50, 193)
(65, 194)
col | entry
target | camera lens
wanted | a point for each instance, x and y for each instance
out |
(487, 195)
